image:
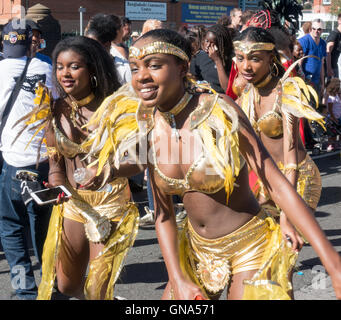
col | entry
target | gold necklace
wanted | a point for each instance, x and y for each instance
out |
(169, 116)
(264, 82)
(86, 100)
(75, 104)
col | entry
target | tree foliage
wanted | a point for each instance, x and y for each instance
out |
(335, 7)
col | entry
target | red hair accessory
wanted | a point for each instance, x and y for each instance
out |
(261, 19)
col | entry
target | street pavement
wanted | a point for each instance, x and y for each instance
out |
(144, 275)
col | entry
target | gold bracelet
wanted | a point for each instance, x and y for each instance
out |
(291, 166)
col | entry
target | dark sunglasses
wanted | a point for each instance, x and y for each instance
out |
(318, 29)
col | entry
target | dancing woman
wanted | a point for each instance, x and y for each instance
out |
(274, 102)
(200, 146)
(97, 226)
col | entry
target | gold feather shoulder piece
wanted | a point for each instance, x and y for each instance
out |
(215, 122)
(120, 120)
(297, 97)
(39, 117)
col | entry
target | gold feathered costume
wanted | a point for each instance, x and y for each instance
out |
(294, 101)
(127, 123)
(96, 210)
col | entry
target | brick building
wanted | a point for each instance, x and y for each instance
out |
(174, 13)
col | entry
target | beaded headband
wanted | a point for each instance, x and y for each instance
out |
(247, 47)
(157, 47)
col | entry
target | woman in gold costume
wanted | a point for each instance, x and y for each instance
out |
(274, 102)
(98, 224)
(200, 147)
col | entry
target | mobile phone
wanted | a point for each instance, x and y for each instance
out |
(50, 195)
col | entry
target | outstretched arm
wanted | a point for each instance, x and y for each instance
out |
(166, 230)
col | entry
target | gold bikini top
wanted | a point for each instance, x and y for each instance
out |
(271, 122)
(201, 176)
(204, 174)
(293, 99)
(65, 146)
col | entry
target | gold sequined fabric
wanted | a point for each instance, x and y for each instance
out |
(214, 125)
(210, 262)
(108, 264)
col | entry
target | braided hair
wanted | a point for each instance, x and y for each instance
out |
(275, 13)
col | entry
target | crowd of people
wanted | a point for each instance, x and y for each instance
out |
(215, 119)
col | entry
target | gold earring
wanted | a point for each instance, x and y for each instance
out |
(274, 70)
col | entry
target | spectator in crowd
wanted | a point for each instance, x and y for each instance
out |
(297, 54)
(200, 30)
(313, 67)
(102, 28)
(213, 63)
(236, 18)
(333, 100)
(37, 42)
(126, 28)
(246, 16)
(17, 215)
(225, 20)
(151, 24)
(333, 50)
(305, 29)
(119, 53)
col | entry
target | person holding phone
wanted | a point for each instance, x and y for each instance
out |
(98, 224)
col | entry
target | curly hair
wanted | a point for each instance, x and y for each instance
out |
(99, 62)
(104, 27)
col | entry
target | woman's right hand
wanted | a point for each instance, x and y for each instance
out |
(185, 290)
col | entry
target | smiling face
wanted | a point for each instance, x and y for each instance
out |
(157, 78)
(255, 65)
(73, 74)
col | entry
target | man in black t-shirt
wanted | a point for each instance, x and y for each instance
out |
(334, 50)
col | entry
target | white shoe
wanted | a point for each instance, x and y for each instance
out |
(148, 218)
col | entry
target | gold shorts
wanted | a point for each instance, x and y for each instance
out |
(257, 245)
(211, 262)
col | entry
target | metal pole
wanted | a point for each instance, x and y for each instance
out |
(81, 11)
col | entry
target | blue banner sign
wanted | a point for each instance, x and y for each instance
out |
(203, 13)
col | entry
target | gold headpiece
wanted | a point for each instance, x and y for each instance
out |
(157, 47)
(247, 47)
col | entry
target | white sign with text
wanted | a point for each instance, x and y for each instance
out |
(142, 10)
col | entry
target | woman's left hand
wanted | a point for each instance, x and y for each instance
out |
(213, 52)
(290, 233)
